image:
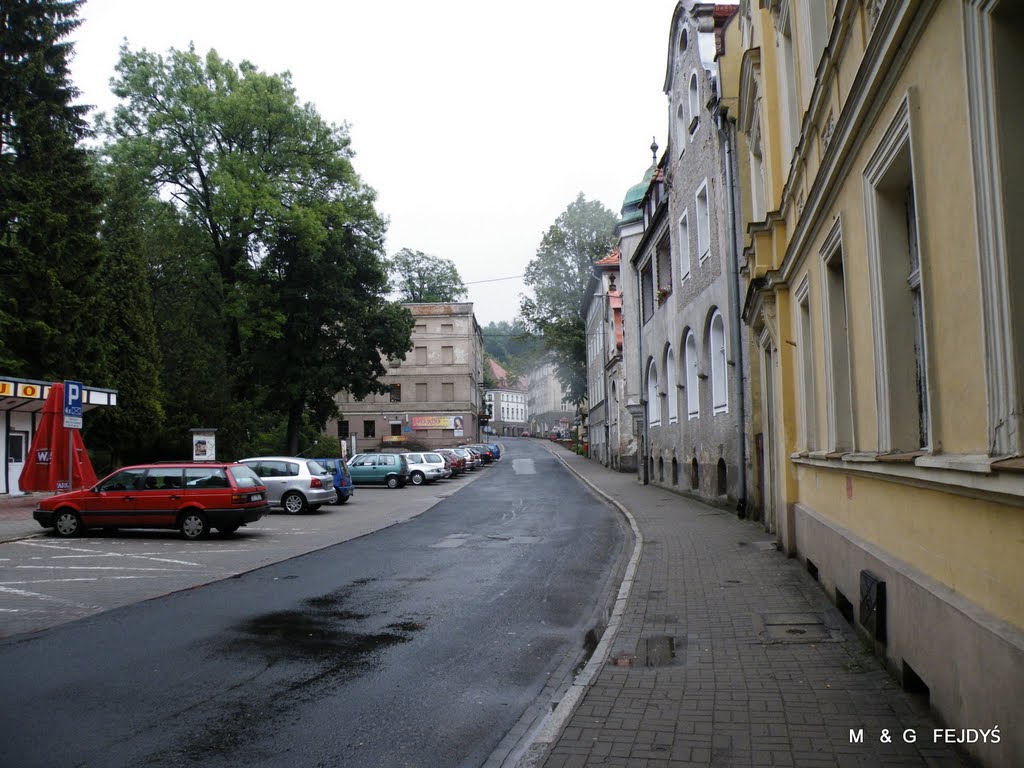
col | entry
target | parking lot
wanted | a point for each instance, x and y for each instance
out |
(45, 580)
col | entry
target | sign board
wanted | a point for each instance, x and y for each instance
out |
(72, 405)
(204, 445)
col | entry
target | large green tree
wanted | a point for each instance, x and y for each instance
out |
(419, 277)
(49, 252)
(129, 359)
(289, 238)
(557, 276)
(325, 276)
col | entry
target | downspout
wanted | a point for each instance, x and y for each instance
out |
(642, 392)
(734, 305)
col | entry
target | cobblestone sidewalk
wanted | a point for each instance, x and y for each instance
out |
(730, 654)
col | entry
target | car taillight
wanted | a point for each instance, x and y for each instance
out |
(314, 482)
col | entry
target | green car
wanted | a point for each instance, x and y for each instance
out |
(388, 469)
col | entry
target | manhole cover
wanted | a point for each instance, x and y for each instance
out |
(659, 651)
(795, 628)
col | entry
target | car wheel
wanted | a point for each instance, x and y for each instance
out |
(342, 499)
(227, 530)
(68, 524)
(194, 525)
(392, 481)
(294, 503)
(417, 478)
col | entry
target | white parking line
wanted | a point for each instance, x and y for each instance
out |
(105, 553)
(94, 568)
(48, 598)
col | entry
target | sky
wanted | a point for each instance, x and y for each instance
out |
(477, 123)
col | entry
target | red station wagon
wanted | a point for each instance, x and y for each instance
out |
(190, 496)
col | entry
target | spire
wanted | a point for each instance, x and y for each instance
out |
(654, 151)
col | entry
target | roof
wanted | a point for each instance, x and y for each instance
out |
(611, 260)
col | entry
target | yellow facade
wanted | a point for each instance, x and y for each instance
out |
(890, 371)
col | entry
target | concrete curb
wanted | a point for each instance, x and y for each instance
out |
(550, 728)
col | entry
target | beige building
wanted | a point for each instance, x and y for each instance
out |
(548, 411)
(434, 396)
(886, 273)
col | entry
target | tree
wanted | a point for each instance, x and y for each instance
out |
(48, 198)
(332, 282)
(419, 277)
(558, 275)
(129, 360)
(270, 187)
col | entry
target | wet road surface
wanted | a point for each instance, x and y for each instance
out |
(419, 645)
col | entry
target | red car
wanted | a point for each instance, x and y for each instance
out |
(458, 464)
(190, 496)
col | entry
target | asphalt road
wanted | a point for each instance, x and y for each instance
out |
(420, 645)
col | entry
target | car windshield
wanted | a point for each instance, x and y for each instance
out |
(245, 477)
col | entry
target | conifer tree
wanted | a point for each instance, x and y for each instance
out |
(48, 197)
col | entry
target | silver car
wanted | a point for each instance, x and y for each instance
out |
(296, 485)
(425, 467)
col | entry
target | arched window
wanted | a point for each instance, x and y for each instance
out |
(670, 386)
(653, 400)
(694, 102)
(719, 382)
(692, 393)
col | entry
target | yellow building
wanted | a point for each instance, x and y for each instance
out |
(885, 264)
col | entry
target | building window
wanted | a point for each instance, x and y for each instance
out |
(692, 379)
(395, 392)
(653, 400)
(664, 255)
(788, 90)
(396, 429)
(838, 380)
(898, 303)
(719, 365)
(805, 350)
(447, 328)
(670, 387)
(703, 223)
(448, 392)
(421, 355)
(684, 248)
(647, 290)
(421, 392)
(447, 355)
(343, 429)
(369, 428)
(694, 103)
(420, 328)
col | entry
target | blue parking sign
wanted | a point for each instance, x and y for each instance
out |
(73, 404)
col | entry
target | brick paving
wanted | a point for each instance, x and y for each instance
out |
(765, 671)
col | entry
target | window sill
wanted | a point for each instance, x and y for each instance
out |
(975, 476)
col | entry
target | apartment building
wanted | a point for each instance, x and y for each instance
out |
(433, 397)
(885, 273)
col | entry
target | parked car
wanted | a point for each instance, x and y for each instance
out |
(458, 463)
(190, 496)
(425, 467)
(485, 452)
(390, 469)
(473, 460)
(296, 485)
(342, 478)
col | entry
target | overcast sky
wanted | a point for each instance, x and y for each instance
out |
(476, 122)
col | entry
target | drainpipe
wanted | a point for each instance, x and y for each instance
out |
(734, 303)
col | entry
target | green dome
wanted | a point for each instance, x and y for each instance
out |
(635, 195)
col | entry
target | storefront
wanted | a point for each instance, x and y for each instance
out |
(21, 403)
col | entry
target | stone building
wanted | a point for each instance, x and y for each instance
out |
(690, 376)
(548, 411)
(434, 396)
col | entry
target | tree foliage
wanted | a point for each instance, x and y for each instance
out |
(512, 345)
(49, 252)
(419, 277)
(557, 276)
(269, 255)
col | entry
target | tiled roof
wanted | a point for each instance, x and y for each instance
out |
(612, 259)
